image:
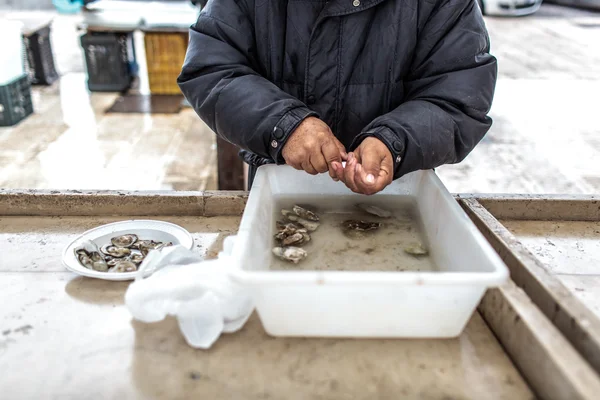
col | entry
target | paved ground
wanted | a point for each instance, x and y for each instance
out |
(545, 139)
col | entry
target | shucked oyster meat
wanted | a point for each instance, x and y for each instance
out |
(114, 251)
(124, 240)
(90, 256)
(123, 254)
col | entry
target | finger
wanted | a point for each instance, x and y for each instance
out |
(295, 165)
(371, 160)
(318, 163)
(338, 171)
(341, 149)
(308, 168)
(332, 154)
(349, 174)
(381, 181)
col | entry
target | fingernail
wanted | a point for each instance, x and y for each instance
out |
(370, 178)
(334, 166)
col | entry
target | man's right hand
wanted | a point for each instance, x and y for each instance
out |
(312, 147)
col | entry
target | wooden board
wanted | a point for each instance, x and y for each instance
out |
(577, 322)
(230, 166)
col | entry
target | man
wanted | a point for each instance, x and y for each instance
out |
(389, 86)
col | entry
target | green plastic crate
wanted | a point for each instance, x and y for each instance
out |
(15, 101)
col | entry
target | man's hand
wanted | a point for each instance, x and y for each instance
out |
(369, 169)
(312, 147)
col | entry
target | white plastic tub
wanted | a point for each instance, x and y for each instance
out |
(433, 304)
(12, 54)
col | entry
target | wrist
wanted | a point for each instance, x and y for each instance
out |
(395, 145)
(284, 128)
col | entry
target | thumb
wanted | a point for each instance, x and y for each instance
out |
(371, 164)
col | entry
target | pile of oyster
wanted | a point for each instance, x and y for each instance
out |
(124, 253)
(294, 231)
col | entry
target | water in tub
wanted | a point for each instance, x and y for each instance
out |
(389, 248)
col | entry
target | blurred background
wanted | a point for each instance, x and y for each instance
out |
(96, 105)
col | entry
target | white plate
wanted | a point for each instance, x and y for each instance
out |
(144, 229)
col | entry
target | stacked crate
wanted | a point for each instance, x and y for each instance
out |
(40, 59)
(15, 101)
(165, 53)
(110, 60)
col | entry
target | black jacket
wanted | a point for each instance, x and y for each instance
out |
(417, 74)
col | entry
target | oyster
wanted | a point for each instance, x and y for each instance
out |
(292, 254)
(81, 251)
(124, 240)
(112, 262)
(144, 246)
(310, 226)
(356, 225)
(90, 257)
(98, 263)
(374, 210)
(305, 214)
(136, 258)
(124, 266)
(295, 239)
(85, 260)
(416, 249)
(284, 225)
(356, 229)
(116, 252)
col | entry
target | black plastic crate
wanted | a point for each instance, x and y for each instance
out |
(40, 58)
(15, 101)
(110, 61)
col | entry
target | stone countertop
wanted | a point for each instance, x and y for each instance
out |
(66, 336)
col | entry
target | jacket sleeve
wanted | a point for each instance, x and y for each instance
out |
(449, 91)
(221, 81)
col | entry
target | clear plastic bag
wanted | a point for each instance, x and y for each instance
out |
(206, 302)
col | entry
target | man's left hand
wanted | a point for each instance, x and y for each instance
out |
(369, 169)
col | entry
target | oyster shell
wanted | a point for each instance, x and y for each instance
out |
(305, 213)
(356, 225)
(374, 210)
(295, 239)
(124, 240)
(80, 251)
(85, 260)
(285, 225)
(136, 258)
(356, 229)
(116, 252)
(90, 257)
(98, 263)
(112, 262)
(416, 249)
(310, 226)
(292, 254)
